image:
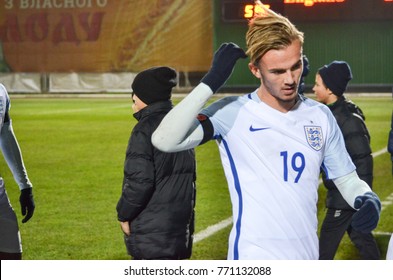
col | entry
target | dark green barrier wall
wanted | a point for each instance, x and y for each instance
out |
(367, 46)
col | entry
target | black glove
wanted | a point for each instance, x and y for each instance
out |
(27, 203)
(367, 217)
(223, 62)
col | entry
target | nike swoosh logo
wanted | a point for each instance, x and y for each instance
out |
(252, 129)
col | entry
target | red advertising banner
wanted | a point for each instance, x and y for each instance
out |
(104, 35)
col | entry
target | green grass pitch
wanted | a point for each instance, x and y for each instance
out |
(74, 149)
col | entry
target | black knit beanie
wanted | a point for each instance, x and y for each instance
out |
(336, 76)
(154, 84)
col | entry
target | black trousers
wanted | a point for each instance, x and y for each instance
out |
(10, 256)
(334, 226)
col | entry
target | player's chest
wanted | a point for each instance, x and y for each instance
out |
(270, 130)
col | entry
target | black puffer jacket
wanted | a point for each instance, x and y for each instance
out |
(350, 119)
(158, 196)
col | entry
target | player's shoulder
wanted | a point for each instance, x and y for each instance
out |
(311, 103)
(3, 90)
(225, 105)
(4, 93)
(228, 99)
(4, 104)
(5, 99)
(318, 110)
(236, 100)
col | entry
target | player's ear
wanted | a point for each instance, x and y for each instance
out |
(254, 70)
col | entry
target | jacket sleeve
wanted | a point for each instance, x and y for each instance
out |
(357, 142)
(138, 182)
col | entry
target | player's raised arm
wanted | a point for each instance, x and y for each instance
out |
(180, 129)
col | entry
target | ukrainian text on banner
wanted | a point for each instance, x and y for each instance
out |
(104, 35)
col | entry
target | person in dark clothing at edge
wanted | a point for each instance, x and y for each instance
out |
(390, 141)
(330, 84)
(156, 207)
(389, 253)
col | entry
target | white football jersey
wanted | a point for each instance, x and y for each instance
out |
(272, 163)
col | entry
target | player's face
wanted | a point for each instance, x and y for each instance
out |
(137, 104)
(322, 93)
(279, 72)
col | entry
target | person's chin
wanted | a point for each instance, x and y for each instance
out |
(289, 94)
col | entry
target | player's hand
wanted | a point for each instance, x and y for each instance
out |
(367, 217)
(125, 227)
(27, 203)
(223, 62)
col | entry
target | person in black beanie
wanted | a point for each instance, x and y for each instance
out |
(330, 84)
(156, 207)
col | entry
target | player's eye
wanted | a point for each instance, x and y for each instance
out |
(277, 72)
(297, 66)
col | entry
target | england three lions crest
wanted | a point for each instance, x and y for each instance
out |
(314, 137)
